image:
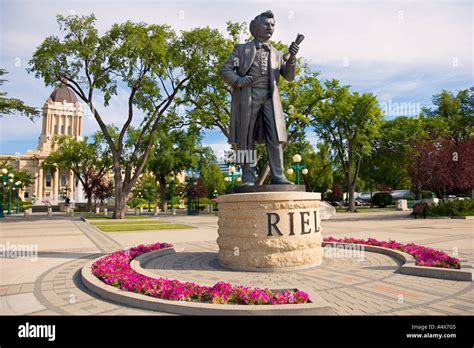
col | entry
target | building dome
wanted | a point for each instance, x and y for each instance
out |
(61, 94)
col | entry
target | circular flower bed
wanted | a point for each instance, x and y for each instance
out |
(424, 256)
(115, 270)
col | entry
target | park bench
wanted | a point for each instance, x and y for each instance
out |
(419, 209)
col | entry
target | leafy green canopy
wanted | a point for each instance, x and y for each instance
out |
(9, 106)
(149, 62)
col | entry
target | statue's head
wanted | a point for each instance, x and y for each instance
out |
(262, 26)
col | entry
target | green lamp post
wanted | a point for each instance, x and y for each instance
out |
(17, 187)
(233, 177)
(10, 184)
(4, 182)
(298, 167)
(191, 183)
(215, 195)
(148, 196)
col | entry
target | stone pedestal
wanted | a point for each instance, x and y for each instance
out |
(270, 231)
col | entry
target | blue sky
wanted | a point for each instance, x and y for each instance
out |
(402, 51)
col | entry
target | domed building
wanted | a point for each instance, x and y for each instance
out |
(62, 114)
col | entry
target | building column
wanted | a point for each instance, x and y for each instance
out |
(39, 192)
(35, 188)
(56, 185)
(71, 184)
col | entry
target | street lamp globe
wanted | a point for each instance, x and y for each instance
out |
(11, 175)
(232, 169)
(10, 180)
(4, 171)
(226, 179)
(290, 171)
(297, 158)
(239, 179)
(304, 171)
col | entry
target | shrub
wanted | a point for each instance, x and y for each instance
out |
(382, 199)
(454, 208)
(137, 202)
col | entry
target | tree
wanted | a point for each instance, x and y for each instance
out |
(387, 165)
(147, 62)
(173, 152)
(9, 106)
(455, 111)
(442, 166)
(90, 161)
(18, 175)
(320, 166)
(213, 178)
(429, 167)
(101, 188)
(148, 187)
(349, 123)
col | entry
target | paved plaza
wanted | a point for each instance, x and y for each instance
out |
(50, 283)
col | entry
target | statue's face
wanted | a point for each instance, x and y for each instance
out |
(264, 28)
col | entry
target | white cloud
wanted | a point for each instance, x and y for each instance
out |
(397, 55)
(220, 149)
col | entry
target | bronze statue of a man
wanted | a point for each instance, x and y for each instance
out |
(253, 70)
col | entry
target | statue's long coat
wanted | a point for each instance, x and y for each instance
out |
(236, 66)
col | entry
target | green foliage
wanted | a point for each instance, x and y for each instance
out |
(455, 208)
(9, 106)
(19, 175)
(387, 164)
(318, 163)
(349, 123)
(174, 151)
(213, 179)
(452, 115)
(382, 199)
(147, 187)
(428, 194)
(153, 66)
(137, 202)
(89, 160)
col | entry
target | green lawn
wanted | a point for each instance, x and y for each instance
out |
(128, 217)
(122, 222)
(368, 209)
(136, 227)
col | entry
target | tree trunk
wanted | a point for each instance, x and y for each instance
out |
(350, 192)
(120, 207)
(89, 203)
(164, 203)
